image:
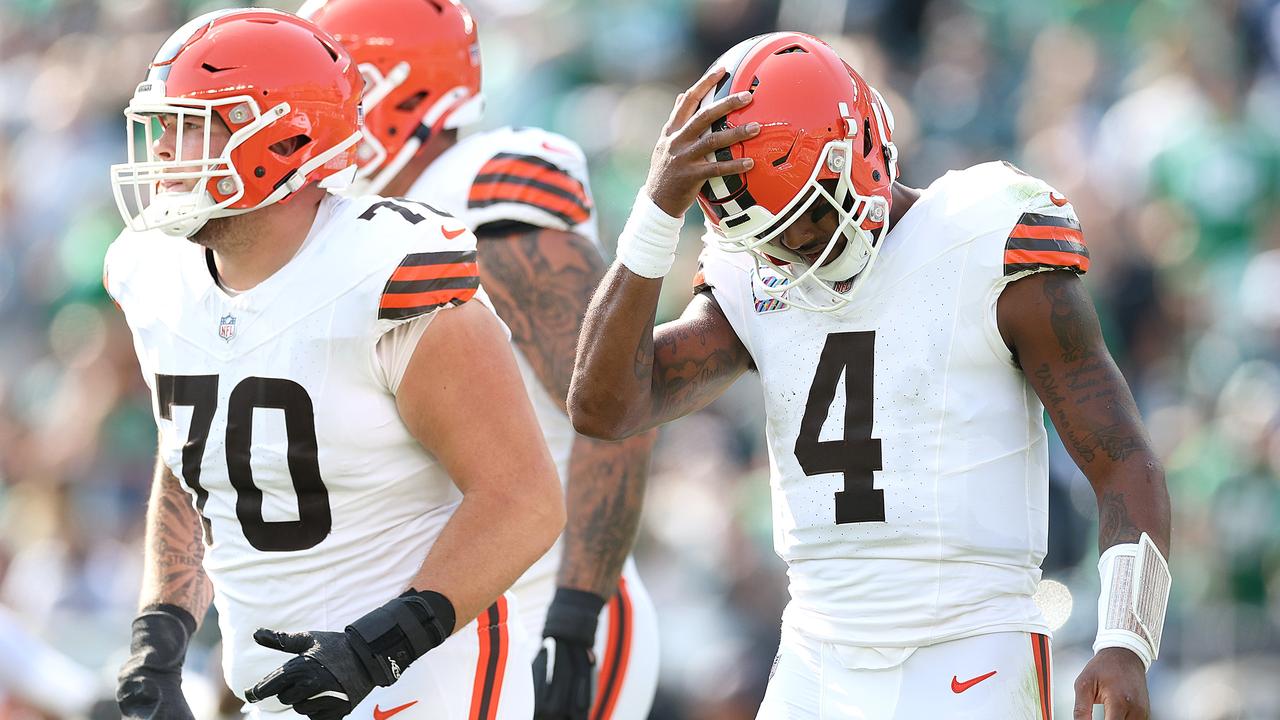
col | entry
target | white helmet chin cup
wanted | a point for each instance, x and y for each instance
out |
(851, 260)
(179, 214)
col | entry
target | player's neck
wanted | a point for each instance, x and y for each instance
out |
(427, 154)
(256, 245)
(903, 198)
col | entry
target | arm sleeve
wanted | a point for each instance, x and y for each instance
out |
(395, 350)
(396, 347)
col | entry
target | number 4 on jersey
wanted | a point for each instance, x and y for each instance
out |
(857, 454)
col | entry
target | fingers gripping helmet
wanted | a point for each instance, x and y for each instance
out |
(421, 64)
(287, 93)
(826, 138)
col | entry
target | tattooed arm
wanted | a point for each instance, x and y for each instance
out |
(631, 377)
(1049, 322)
(175, 596)
(540, 282)
(172, 570)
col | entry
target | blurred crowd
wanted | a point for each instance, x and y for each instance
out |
(1160, 119)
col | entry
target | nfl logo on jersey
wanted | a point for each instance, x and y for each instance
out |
(227, 327)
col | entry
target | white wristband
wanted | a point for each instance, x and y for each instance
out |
(647, 245)
(1135, 594)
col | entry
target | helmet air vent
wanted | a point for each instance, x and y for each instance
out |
(290, 145)
(721, 85)
(413, 101)
(791, 49)
(333, 54)
(787, 155)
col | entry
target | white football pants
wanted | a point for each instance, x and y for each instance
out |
(1001, 676)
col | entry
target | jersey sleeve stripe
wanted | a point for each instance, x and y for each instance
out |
(1079, 265)
(528, 168)
(424, 282)
(1041, 220)
(527, 165)
(1047, 257)
(533, 181)
(437, 258)
(413, 287)
(1047, 232)
(431, 299)
(568, 213)
(516, 184)
(1018, 243)
(529, 192)
(1039, 242)
(407, 273)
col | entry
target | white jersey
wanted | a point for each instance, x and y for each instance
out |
(529, 176)
(318, 504)
(908, 457)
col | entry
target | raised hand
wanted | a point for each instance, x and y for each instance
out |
(679, 164)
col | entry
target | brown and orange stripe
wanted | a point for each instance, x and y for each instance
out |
(530, 180)
(1045, 241)
(426, 281)
(613, 667)
(1040, 653)
(491, 661)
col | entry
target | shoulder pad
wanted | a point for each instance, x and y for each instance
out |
(539, 177)
(427, 281)
(1034, 223)
(129, 260)
(428, 256)
(1046, 236)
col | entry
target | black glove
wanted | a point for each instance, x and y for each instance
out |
(564, 671)
(150, 682)
(335, 671)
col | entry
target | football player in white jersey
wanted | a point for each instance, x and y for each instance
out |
(361, 472)
(526, 195)
(905, 341)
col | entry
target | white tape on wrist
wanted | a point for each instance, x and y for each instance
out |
(647, 245)
(1135, 595)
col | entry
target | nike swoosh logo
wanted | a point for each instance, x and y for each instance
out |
(384, 714)
(1057, 199)
(451, 234)
(958, 687)
(553, 148)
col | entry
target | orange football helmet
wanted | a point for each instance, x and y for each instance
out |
(287, 92)
(421, 64)
(826, 137)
